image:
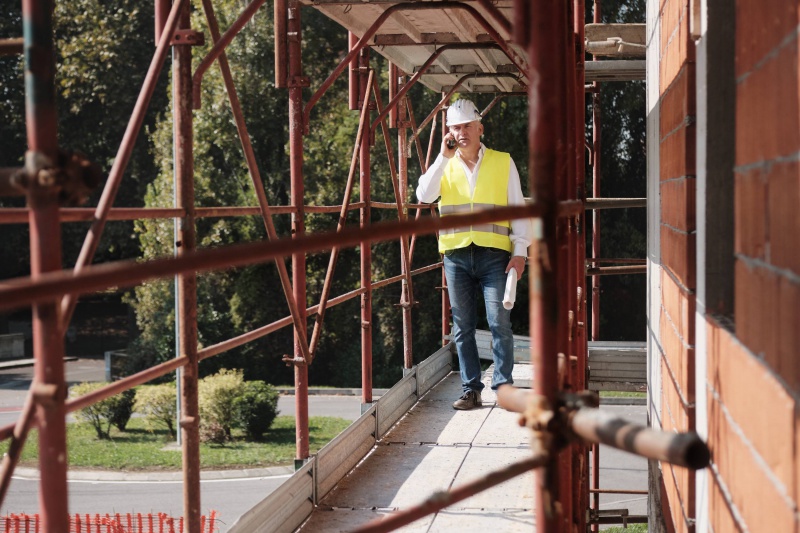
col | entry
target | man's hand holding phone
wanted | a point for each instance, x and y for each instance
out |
(449, 145)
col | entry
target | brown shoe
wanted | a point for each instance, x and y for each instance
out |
(469, 400)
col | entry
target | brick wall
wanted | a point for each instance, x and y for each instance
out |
(677, 230)
(754, 370)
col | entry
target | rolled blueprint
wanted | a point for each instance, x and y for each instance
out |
(511, 289)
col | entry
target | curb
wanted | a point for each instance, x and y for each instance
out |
(206, 475)
(321, 391)
(21, 363)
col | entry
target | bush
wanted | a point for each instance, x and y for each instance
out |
(123, 409)
(158, 404)
(256, 408)
(216, 395)
(101, 415)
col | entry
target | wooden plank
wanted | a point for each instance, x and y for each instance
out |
(395, 476)
(617, 365)
(438, 422)
(346, 519)
(516, 493)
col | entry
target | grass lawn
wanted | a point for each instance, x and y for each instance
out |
(140, 449)
(632, 528)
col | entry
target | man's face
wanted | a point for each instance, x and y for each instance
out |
(468, 135)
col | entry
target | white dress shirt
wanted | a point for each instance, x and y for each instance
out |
(430, 188)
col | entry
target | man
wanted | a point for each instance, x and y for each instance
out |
(468, 176)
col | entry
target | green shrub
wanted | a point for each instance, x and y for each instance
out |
(216, 395)
(158, 404)
(256, 408)
(101, 415)
(123, 409)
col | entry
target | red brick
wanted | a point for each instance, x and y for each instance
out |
(760, 27)
(756, 310)
(679, 356)
(720, 516)
(789, 332)
(674, 416)
(767, 114)
(677, 153)
(677, 52)
(679, 253)
(759, 500)
(678, 203)
(765, 413)
(783, 216)
(671, 12)
(680, 305)
(680, 488)
(750, 200)
(678, 101)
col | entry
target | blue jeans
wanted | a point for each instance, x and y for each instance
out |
(469, 270)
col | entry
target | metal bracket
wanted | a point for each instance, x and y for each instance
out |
(187, 37)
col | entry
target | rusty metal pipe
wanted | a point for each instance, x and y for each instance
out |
(423, 167)
(12, 47)
(616, 270)
(18, 437)
(45, 244)
(453, 90)
(123, 156)
(498, 17)
(23, 291)
(219, 48)
(279, 23)
(398, 197)
(348, 190)
(365, 222)
(614, 203)
(682, 449)
(255, 177)
(499, 97)
(186, 243)
(297, 192)
(362, 42)
(112, 389)
(425, 66)
(439, 500)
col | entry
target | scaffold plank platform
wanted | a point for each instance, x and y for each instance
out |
(432, 448)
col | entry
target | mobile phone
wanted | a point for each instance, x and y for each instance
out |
(451, 143)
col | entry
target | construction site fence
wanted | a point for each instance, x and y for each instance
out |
(285, 509)
(109, 523)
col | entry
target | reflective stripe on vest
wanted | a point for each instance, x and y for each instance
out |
(491, 192)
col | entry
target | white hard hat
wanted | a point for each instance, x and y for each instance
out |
(461, 112)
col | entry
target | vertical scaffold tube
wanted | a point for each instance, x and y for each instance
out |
(45, 242)
(187, 282)
(366, 251)
(296, 128)
(546, 158)
(581, 451)
(406, 299)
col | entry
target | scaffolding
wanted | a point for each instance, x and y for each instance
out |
(506, 47)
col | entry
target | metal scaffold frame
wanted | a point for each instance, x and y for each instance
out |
(563, 420)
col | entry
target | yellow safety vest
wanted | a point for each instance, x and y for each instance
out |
(491, 191)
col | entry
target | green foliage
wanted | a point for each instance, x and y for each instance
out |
(123, 409)
(256, 408)
(158, 404)
(105, 413)
(217, 401)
